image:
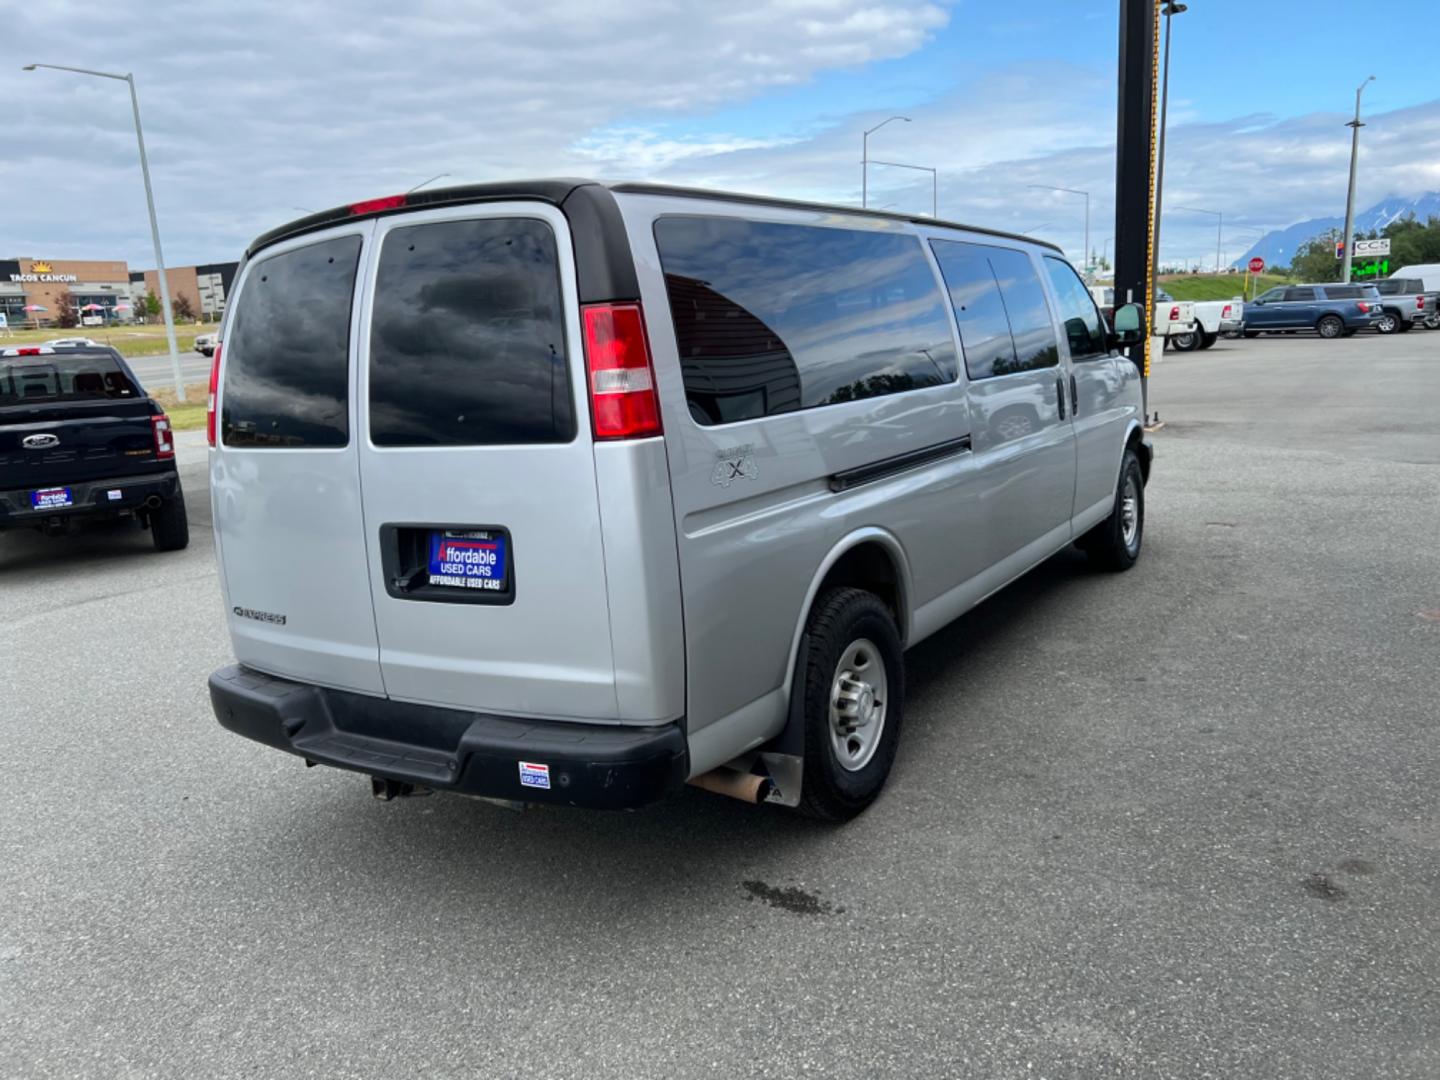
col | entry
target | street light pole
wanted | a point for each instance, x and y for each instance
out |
(1074, 191)
(1171, 9)
(154, 222)
(934, 181)
(1354, 126)
(865, 159)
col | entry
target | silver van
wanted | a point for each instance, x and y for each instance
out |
(568, 493)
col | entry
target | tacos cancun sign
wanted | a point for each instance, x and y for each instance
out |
(42, 271)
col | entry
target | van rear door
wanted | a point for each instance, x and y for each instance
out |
(284, 477)
(477, 466)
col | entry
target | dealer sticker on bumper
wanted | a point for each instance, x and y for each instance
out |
(533, 775)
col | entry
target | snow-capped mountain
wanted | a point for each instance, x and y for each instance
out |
(1278, 247)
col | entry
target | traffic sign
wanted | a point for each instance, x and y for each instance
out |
(1256, 265)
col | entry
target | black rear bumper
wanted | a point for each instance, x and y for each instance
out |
(601, 766)
(90, 498)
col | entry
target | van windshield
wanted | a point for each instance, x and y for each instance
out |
(72, 376)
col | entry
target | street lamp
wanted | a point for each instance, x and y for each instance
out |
(1354, 126)
(1171, 9)
(154, 224)
(865, 158)
(1105, 249)
(1074, 191)
(1220, 224)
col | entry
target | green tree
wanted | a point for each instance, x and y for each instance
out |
(152, 305)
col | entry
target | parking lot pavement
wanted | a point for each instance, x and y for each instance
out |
(1177, 823)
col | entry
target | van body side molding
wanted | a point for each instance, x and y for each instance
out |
(878, 470)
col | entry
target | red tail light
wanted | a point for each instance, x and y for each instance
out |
(1175, 313)
(164, 437)
(1419, 303)
(623, 401)
(210, 402)
(1363, 306)
(1226, 313)
(374, 206)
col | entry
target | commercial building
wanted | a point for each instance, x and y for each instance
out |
(37, 290)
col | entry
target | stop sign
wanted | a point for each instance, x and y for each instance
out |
(1257, 264)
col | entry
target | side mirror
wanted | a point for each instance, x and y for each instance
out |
(1129, 325)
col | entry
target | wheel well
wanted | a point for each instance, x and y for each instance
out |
(1136, 443)
(869, 566)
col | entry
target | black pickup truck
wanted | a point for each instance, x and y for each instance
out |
(79, 438)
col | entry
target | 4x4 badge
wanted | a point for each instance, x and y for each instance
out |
(734, 464)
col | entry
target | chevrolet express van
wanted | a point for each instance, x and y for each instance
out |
(559, 492)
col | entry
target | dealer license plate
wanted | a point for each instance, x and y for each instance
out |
(469, 559)
(50, 498)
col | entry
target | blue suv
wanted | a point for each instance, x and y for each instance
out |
(1331, 311)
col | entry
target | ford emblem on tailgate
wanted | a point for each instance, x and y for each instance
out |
(40, 442)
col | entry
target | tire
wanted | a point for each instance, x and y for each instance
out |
(1406, 326)
(169, 527)
(1208, 340)
(1432, 322)
(1388, 323)
(848, 625)
(1250, 333)
(1330, 326)
(1186, 342)
(1112, 545)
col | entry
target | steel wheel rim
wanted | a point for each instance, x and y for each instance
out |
(859, 702)
(1130, 514)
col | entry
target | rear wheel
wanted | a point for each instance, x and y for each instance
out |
(1186, 342)
(1114, 544)
(1388, 323)
(1207, 340)
(1330, 326)
(169, 527)
(1406, 326)
(854, 696)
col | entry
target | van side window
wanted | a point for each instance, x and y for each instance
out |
(771, 318)
(287, 356)
(1293, 295)
(467, 341)
(1004, 318)
(1343, 292)
(1084, 330)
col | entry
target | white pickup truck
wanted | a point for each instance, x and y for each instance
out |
(1169, 319)
(1212, 318)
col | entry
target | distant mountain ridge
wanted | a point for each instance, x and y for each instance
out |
(1278, 247)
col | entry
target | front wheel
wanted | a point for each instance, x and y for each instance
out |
(1330, 326)
(1114, 544)
(1387, 323)
(854, 696)
(169, 526)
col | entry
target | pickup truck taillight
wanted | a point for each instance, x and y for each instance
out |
(210, 402)
(164, 437)
(1175, 313)
(1226, 313)
(1419, 303)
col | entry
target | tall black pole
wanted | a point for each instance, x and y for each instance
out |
(1135, 164)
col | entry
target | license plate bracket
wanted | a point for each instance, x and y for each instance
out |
(448, 563)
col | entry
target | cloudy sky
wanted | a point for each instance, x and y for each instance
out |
(257, 109)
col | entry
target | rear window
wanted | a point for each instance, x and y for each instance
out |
(1393, 288)
(287, 354)
(467, 343)
(70, 377)
(770, 318)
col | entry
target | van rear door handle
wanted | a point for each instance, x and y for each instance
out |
(1074, 398)
(1060, 394)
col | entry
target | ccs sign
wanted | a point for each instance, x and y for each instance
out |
(1364, 249)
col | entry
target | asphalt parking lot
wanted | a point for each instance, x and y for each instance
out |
(1177, 823)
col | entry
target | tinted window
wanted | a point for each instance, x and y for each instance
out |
(1084, 331)
(73, 377)
(1299, 294)
(467, 344)
(287, 354)
(1393, 288)
(1001, 308)
(1270, 295)
(1344, 292)
(771, 318)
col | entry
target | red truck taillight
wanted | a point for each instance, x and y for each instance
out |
(210, 402)
(623, 400)
(1419, 303)
(164, 437)
(1226, 313)
(1175, 313)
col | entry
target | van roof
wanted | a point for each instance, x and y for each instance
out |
(557, 191)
